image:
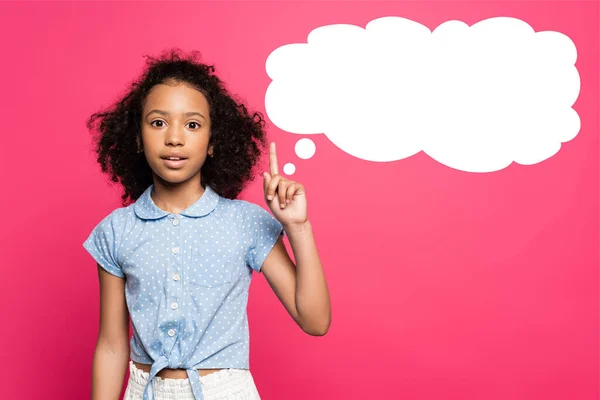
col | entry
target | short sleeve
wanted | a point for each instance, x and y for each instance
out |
(103, 242)
(263, 230)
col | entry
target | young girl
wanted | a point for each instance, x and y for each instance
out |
(179, 260)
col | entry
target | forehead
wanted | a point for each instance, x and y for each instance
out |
(176, 98)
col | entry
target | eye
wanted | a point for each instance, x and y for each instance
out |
(195, 123)
(156, 120)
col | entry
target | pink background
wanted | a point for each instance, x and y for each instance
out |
(444, 284)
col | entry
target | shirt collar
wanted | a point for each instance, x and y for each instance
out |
(145, 208)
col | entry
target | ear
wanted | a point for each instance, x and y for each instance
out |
(210, 151)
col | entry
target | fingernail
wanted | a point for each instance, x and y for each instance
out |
(270, 197)
(282, 205)
(287, 201)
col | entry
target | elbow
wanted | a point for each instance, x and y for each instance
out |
(321, 332)
(317, 329)
(113, 346)
(117, 351)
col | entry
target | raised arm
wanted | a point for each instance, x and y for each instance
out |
(301, 288)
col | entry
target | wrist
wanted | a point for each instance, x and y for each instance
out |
(297, 227)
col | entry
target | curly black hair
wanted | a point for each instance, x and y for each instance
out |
(238, 138)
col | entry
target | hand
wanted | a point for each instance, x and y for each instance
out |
(285, 198)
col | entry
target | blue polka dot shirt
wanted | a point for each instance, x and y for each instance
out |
(186, 279)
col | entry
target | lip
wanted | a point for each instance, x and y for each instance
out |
(173, 154)
(174, 164)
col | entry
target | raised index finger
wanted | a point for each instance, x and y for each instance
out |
(273, 159)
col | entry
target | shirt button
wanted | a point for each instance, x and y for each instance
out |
(174, 306)
(175, 221)
(171, 332)
(176, 276)
(175, 250)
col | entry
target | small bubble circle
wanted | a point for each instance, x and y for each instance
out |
(289, 169)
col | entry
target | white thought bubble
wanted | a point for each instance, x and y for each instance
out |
(473, 98)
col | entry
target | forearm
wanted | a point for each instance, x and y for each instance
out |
(312, 295)
(108, 371)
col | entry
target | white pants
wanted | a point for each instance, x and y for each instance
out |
(226, 384)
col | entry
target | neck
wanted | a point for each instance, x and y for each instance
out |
(176, 197)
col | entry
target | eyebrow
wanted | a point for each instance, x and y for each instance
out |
(186, 114)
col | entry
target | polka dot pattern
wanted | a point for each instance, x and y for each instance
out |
(187, 277)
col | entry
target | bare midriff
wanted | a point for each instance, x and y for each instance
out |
(173, 373)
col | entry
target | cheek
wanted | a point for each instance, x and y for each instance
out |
(148, 140)
(199, 145)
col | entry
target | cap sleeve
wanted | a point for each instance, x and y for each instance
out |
(103, 242)
(262, 231)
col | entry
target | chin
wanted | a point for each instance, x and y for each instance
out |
(174, 176)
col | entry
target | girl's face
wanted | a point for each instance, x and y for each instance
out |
(175, 122)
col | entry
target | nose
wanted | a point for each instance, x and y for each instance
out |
(174, 136)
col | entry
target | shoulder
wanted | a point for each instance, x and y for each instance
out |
(238, 209)
(257, 213)
(117, 219)
(104, 241)
(121, 215)
(244, 212)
